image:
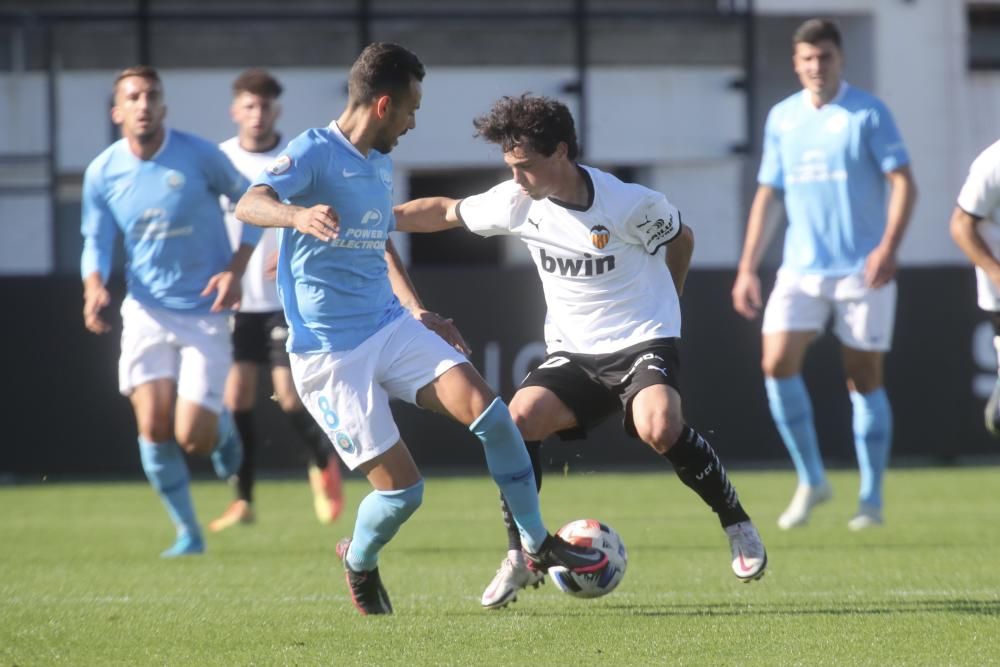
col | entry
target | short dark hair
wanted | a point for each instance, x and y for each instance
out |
(257, 81)
(531, 121)
(141, 71)
(815, 31)
(382, 68)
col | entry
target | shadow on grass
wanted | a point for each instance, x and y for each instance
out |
(874, 608)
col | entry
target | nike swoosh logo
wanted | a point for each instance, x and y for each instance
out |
(518, 478)
(350, 174)
(743, 564)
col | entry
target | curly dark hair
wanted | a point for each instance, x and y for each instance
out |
(529, 121)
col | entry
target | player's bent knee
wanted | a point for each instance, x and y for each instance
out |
(661, 435)
(529, 424)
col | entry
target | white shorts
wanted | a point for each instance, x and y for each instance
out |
(988, 296)
(348, 392)
(863, 318)
(193, 349)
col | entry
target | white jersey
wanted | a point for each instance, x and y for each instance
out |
(980, 196)
(260, 294)
(606, 286)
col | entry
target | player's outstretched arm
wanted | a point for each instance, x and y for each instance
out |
(678, 259)
(761, 225)
(965, 233)
(404, 290)
(429, 214)
(260, 206)
(880, 265)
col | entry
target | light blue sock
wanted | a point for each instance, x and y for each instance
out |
(380, 515)
(872, 441)
(226, 425)
(509, 464)
(793, 415)
(167, 472)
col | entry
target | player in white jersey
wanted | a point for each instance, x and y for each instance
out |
(975, 227)
(352, 344)
(612, 348)
(160, 189)
(830, 152)
(259, 328)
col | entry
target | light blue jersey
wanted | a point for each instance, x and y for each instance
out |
(831, 163)
(335, 294)
(168, 209)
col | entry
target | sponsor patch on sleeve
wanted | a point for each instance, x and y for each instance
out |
(280, 166)
(658, 224)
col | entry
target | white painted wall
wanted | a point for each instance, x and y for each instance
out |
(655, 118)
(676, 124)
(25, 235)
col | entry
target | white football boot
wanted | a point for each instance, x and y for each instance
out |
(806, 497)
(868, 516)
(512, 576)
(749, 555)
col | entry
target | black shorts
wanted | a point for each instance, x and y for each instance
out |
(596, 386)
(259, 338)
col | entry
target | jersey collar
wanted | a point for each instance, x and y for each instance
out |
(841, 91)
(590, 193)
(159, 151)
(344, 140)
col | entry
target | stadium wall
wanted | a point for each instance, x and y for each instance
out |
(62, 415)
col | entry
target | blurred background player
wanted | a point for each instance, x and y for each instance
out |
(828, 152)
(259, 328)
(611, 348)
(353, 346)
(160, 188)
(974, 226)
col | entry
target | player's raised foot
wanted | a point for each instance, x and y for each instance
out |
(228, 453)
(557, 552)
(328, 495)
(991, 414)
(749, 555)
(367, 592)
(186, 544)
(805, 499)
(510, 578)
(238, 512)
(868, 516)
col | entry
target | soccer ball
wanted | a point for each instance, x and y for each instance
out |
(592, 533)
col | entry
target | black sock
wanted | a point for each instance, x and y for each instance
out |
(513, 534)
(248, 434)
(699, 468)
(312, 437)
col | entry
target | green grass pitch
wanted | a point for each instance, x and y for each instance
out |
(81, 582)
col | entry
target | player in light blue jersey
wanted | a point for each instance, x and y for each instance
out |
(352, 344)
(829, 153)
(160, 189)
